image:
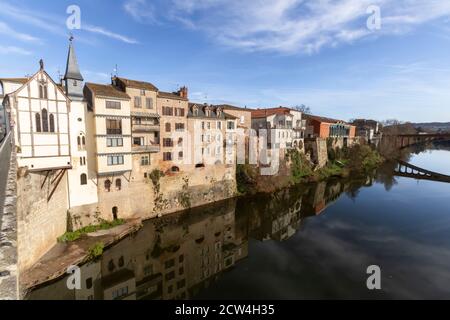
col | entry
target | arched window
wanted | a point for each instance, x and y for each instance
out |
(118, 184)
(44, 120)
(175, 169)
(43, 91)
(79, 142)
(52, 123)
(108, 185)
(83, 141)
(83, 179)
(38, 122)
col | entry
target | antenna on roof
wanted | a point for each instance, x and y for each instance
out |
(60, 76)
(116, 71)
(71, 37)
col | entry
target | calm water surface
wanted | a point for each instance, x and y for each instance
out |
(308, 242)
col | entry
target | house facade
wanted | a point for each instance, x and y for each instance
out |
(285, 127)
(322, 127)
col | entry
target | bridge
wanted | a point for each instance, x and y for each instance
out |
(407, 170)
(406, 140)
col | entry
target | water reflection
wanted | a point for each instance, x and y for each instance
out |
(270, 246)
(177, 257)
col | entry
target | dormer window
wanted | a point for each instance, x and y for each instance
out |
(219, 112)
(195, 111)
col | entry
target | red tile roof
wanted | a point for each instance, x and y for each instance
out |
(263, 113)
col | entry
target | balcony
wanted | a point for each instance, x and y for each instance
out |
(146, 128)
(154, 148)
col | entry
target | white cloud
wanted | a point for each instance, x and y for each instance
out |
(14, 50)
(55, 24)
(291, 26)
(140, 10)
(8, 31)
(109, 34)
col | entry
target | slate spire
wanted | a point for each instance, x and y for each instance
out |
(72, 68)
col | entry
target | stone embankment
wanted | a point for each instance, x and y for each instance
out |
(8, 223)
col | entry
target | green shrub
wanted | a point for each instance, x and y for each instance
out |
(75, 235)
(96, 250)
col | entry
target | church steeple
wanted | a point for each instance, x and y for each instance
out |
(73, 78)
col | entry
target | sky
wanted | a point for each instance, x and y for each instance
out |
(334, 56)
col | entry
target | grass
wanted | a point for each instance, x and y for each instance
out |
(96, 250)
(75, 235)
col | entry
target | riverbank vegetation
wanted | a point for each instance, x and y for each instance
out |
(103, 225)
(357, 160)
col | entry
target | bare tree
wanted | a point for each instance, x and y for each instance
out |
(303, 109)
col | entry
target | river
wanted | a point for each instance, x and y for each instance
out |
(309, 242)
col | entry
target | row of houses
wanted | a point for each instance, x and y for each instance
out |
(90, 150)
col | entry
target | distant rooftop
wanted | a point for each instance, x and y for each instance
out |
(137, 84)
(107, 91)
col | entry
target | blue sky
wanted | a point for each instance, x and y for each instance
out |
(255, 53)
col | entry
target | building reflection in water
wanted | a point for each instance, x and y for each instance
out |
(178, 256)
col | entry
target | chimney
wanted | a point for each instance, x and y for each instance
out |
(183, 92)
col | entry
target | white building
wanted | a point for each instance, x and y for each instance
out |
(40, 115)
(82, 177)
(285, 127)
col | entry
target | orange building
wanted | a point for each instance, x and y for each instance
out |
(321, 127)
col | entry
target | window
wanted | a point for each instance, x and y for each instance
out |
(209, 125)
(179, 126)
(168, 127)
(167, 111)
(230, 125)
(179, 112)
(167, 142)
(180, 142)
(180, 155)
(167, 156)
(38, 122)
(137, 102)
(52, 123)
(142, 92)
(181, 259)
(44, 120)
(113, 104)
(113, 126)
(115, 160)
(175, 169)
(138, 141)
(170, 276)
(203, 126)
(108, 185)
(145, 161)
(117, 294)
(83, 179)
(149, 103)
(181, 284)
(75, 83)
(118, 187)
(89, 283)
(137, 121)
(114, 142)
(82, 161)
(43, 91)
(219, 125)
(148, 270)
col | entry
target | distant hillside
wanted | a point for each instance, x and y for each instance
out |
(433, 126)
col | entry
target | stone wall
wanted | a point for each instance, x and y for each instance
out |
(8, 233)
(141, 198)
(40, 220)
(317, 150)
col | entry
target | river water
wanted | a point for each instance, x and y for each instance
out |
(309, 242)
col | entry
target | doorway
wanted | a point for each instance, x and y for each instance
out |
(115, 212)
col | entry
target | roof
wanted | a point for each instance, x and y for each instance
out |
(230, 107)
(201, 111)
(168, 95)
(15, 80)
(264, 113)
(137, 84)
(72, 68)
(109, 91)
(322, 119)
